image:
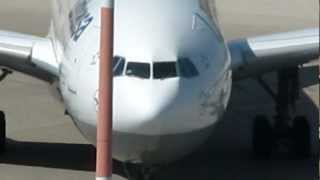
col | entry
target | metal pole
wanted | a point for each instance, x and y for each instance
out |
(104, 124)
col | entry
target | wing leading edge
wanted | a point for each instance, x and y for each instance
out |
(28, 54)
(258, 55)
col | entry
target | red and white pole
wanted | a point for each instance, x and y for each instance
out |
(104, 125)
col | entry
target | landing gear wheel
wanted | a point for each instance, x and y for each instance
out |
(262, 139)
(2, 132)
(301, 137)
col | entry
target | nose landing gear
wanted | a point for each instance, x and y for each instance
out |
(284, 134)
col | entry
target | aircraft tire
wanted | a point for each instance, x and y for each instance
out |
(262, 140)
(301, 137)
(2, 132)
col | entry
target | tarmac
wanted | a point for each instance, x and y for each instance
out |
(44, 143)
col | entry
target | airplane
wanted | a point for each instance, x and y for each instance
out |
(172, 75)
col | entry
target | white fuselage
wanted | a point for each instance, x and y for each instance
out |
(156, 120)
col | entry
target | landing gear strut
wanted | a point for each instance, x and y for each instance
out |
(287, 134)
(2, 132)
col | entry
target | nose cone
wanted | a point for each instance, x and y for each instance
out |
(144, 105)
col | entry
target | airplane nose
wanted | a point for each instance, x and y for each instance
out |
(151, 106)
(144, 106)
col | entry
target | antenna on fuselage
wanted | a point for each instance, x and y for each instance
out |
(104, 124)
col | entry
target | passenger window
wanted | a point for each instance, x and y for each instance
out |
(118, 65)
(187, 68)
(163, 70)
(140, 70)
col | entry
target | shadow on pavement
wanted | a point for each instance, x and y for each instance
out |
(51, 155)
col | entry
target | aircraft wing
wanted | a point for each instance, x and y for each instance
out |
(257, 55)
(28, 54)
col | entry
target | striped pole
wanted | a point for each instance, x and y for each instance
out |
(104, 125)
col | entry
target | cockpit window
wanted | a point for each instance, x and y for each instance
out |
(163, 70)
(187, 68)
(118, 65)
(140, 70)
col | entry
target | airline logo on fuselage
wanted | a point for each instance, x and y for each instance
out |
(80, 19)
(84, 23)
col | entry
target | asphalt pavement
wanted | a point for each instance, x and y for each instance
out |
(44, 143)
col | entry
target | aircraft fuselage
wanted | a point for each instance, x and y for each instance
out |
(172, 77)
